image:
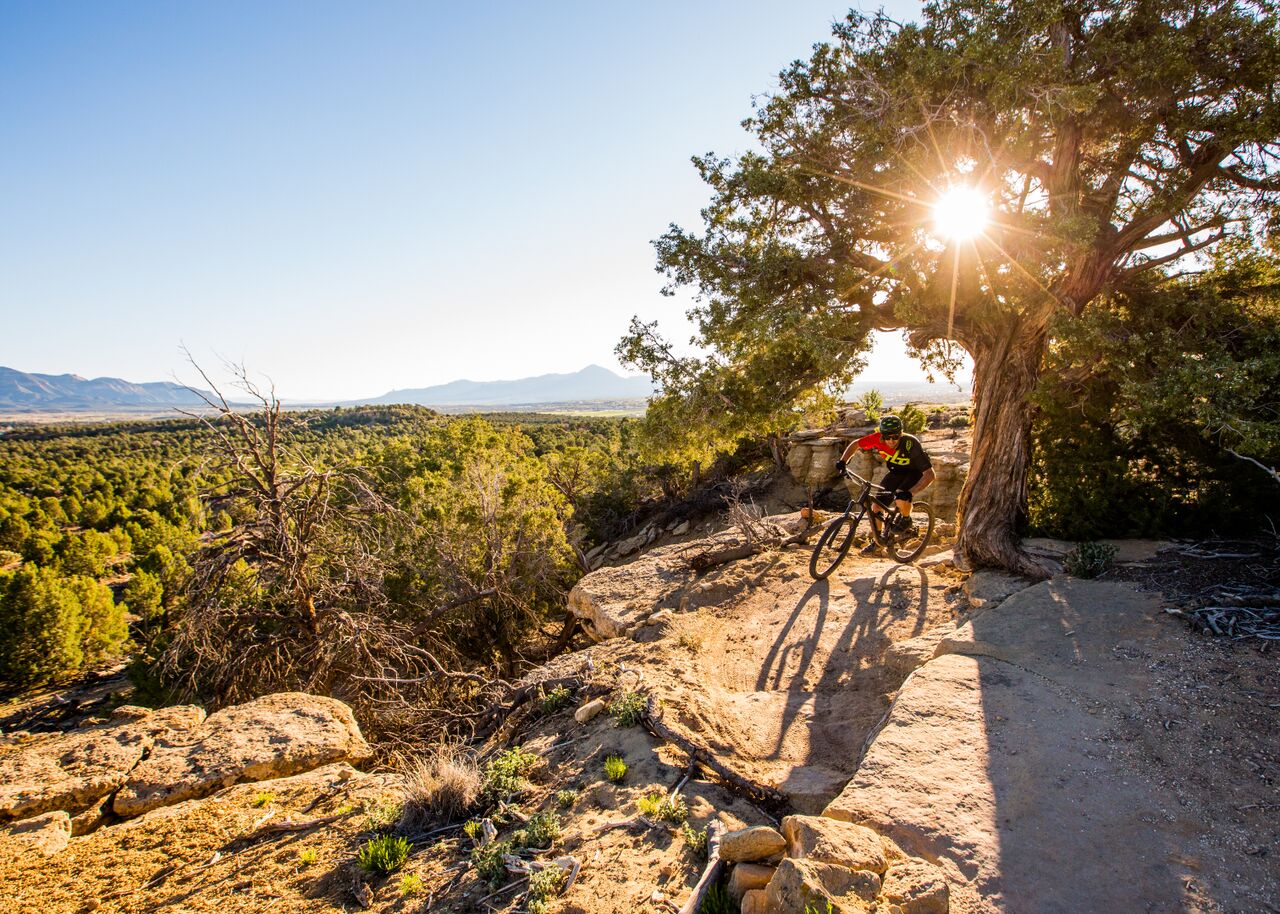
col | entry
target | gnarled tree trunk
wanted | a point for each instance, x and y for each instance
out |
(994, 498)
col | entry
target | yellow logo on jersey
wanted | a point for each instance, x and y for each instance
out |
(900, 457)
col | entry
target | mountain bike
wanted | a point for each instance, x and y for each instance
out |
(903, 542)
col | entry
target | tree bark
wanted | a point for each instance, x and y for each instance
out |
(994, 498)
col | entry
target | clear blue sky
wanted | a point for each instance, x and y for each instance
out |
(352, 197)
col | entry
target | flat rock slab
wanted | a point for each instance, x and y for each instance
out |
(270, 737)
(986, 588)
(994, 763)
(48, 833)
(74, 771)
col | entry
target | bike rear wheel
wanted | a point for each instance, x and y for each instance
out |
(907, 547)
(832, 547)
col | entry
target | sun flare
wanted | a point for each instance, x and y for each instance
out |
(960, 214)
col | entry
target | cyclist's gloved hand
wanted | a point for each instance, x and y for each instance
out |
(841, 466)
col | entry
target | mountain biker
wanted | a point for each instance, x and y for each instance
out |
(910, 470)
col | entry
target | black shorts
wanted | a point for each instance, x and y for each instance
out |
(898, 482)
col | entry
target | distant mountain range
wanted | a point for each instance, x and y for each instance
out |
(24, 392)
(591, 383)
(20, 390)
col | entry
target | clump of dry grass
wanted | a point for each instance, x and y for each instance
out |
(439, 788)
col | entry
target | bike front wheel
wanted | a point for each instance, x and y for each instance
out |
(906, 546)
(832, 547)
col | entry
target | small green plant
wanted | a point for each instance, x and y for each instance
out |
(473, 830)
(615, 769)
(566, 798)
(813, 908)
(309, 857)
(1088, 560)
(557, 698)
(488, 862)
(718, 901)
(383, 815)
(628, 710)
(872, 403)
(541, 831)
(664, 808)
(696, 838)
(690, 640)
(504, 775)
(543, 885)
(959, 421)
(410, 885)
(262, 798)
(383, 855)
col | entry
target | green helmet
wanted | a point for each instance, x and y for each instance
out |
(890, 425)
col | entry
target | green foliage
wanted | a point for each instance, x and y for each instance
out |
(871, 403)
(695, 838)
(615, 769)
(411, 885)
(541, 831)
(383, 855)
(262, 798)
(144, 595)
(308, 856)
(473, 829)
(505, 773)
(1142, 397)
(488, 863)
(51, 625)
(544, 884)
(718, 901)
(383, 814)
(629, 709)
(914, 419)
(825, 907)
(658, 805)
(1088, 560)
(566, 798)
(557, 698)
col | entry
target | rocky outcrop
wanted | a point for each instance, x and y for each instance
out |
(802, 886)
(749, 845)
(271, 737)
(74, 771)
(613, 602)
(993, 762)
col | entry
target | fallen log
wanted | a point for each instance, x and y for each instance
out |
(712, 872)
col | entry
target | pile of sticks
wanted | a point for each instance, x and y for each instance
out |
(1240, 611)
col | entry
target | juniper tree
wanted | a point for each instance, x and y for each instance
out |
(1108, 139)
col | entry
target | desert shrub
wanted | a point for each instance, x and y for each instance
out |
(308, 857)
(541, 831)
(566, 798)
(960, 420)
(383, 855)
(473, 829)
(1088, 560)
(695, 838)
(659, 806)
(628, 710)
(615, 769)
(505, 774)
(439, 788)
(383, 814)
(557, 698)
(871, 403)
(914, 419)
(488, 863)
(411, 885)
(543, 885)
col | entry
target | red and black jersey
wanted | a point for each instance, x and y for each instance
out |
(908, 455)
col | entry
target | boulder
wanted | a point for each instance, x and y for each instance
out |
(826, 840)
(799, 884)
(916, 887)
(48, 833)
(589, 711)
(747, 845)
(73, 771)
(748, 876)
(986, 588)
(902, 657)
(755, 902)
(270, 737)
